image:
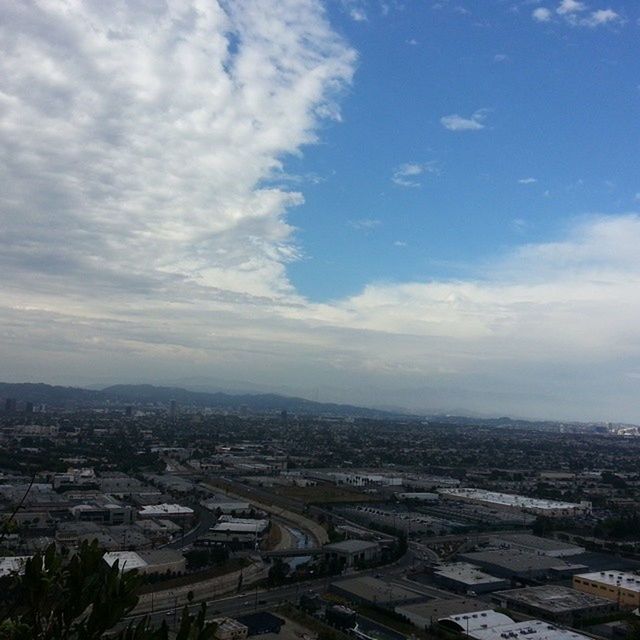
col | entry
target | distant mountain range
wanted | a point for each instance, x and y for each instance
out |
(146, 394)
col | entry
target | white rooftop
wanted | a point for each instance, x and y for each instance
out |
(164, 509)
(127, 560)
(528, 630)
(508, 499)
(12, 565)
(486, 619)
(629, 581)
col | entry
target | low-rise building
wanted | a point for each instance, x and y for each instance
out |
(164, 510)
(156, 561)
(512, 502)
(536, 544)
(619, 586)
(463, 577)
(230, 629)
(513, 564)
(555, 603)
(351, 553)
(369, 590)
(424, 614)
(528, 630)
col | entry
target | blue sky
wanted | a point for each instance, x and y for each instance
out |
(422, 204)
(561, 105)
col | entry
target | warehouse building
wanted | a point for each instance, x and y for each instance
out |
(511, 502)
(157, 561)
(229, 629)
(352, 553)
(555, 603)
(368, 590)
(469, 622)
(528, 630)
(466, 578)
(536, 544)
(520, 565)
(424, 614)
(619, 586)
(171, 511)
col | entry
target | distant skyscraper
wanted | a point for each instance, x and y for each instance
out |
(128, 412)
(173, 410)
(10, 405)
(28, 408)
(284, 416)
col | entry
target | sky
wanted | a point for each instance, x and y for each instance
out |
(416, 204)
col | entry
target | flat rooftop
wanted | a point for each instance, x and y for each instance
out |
(466, 573)
(441, 608)
(626, 580)
(553, 598)
(536, 542)
(376, 590)
(508, 499)
(518, 560)
(528, 630)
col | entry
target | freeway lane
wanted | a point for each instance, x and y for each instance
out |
(254, 599)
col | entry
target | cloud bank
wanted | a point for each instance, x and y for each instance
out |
(140, 243)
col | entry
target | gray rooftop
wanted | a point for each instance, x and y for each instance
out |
(552, 598)
(351, 546)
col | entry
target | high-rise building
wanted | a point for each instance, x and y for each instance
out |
(10, 405)
(28, 408)
(173, 410)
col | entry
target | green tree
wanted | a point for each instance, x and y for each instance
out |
(81, 598)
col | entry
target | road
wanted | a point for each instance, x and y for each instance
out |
(206, 520)
(256, 599)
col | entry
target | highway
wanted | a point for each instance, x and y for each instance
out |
(257, 599)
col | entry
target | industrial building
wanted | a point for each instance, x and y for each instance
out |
(369, 590)
(228, 507)
(466, 578)
(619, 586)
(555, 603)
(230, 629)
(351, 553)
(469, 622)
(424, 614)
(513, 564)
(528, 630)
(511, 502)
(171, 511)
(157, 561)
(536, 544)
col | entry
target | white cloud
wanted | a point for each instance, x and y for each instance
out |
(455, 122)
(572, 12)
(139, 145)
(399, 243)
(527, 181)
(541, 14)
(602, 17)
(500, 57)
(405, 175)
(570, 6)
(365, 224)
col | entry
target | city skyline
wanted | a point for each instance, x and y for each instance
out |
(426, 205)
